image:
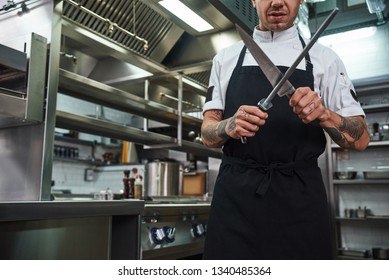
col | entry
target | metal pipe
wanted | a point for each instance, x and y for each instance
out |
(179, 107)
(146, 95)
(183, 101)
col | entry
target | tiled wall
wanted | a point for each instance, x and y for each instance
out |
(70, 175)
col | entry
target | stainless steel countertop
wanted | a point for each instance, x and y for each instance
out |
(34, 210)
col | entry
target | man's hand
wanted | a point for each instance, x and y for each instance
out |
(245, 122)
(348, 132)
(308, 106)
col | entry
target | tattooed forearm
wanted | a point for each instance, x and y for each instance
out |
(232, 125)
(221, 130)
(213, 131)
(348, 133)
(215, 135)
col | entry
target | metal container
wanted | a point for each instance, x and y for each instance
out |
(380, 174)
(380, 253)
(163, 178)
(345, 175)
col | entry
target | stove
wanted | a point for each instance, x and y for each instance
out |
(174, 229)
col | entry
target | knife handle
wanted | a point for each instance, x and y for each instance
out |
(264, 106)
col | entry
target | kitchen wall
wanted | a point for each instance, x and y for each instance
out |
(71, 176)
(365, 55)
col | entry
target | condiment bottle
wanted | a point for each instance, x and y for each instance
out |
(132, 187)
(138, 188)
(126, 183)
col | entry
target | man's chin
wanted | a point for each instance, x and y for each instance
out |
(277, 27)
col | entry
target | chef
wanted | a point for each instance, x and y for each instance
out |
(269, 200)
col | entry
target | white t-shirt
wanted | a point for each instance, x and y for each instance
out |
(330, 77)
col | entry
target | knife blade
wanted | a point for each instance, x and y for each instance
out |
(272, 73)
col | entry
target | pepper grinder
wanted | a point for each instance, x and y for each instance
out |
(126, 183)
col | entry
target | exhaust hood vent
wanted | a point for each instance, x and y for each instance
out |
(238, 11)
(134, 16)
(200, 77)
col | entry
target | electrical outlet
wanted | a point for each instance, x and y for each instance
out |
(89, 174)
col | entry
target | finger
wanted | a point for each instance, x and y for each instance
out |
(298, 95)
(307, 104)
(255, 111)
(309, 108)
(314, 114)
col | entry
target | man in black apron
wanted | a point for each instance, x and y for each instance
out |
(269, 200)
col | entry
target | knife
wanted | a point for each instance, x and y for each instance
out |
(282, 86)
(272, 73)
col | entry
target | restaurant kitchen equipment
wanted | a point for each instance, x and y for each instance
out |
(175, 229)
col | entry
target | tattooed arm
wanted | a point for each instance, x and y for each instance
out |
(246, 122)
(213, 129)
(347, 132)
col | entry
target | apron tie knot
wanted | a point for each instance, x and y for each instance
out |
(269, 170)
(287, 169)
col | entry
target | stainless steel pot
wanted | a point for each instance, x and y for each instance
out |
(163, 178)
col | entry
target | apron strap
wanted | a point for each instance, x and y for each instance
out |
(269, 169)
(308, 63)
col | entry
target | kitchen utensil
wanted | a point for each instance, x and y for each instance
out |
(265, 103)
(345, 175)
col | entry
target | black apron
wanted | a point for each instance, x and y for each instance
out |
(269, 200)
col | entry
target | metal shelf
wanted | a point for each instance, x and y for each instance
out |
(90, 90)
(108, 129)
(362, 182)
(368, 218)
(371, 144)
(345, 257)
(375, 108)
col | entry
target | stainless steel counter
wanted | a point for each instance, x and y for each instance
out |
(70, 230)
